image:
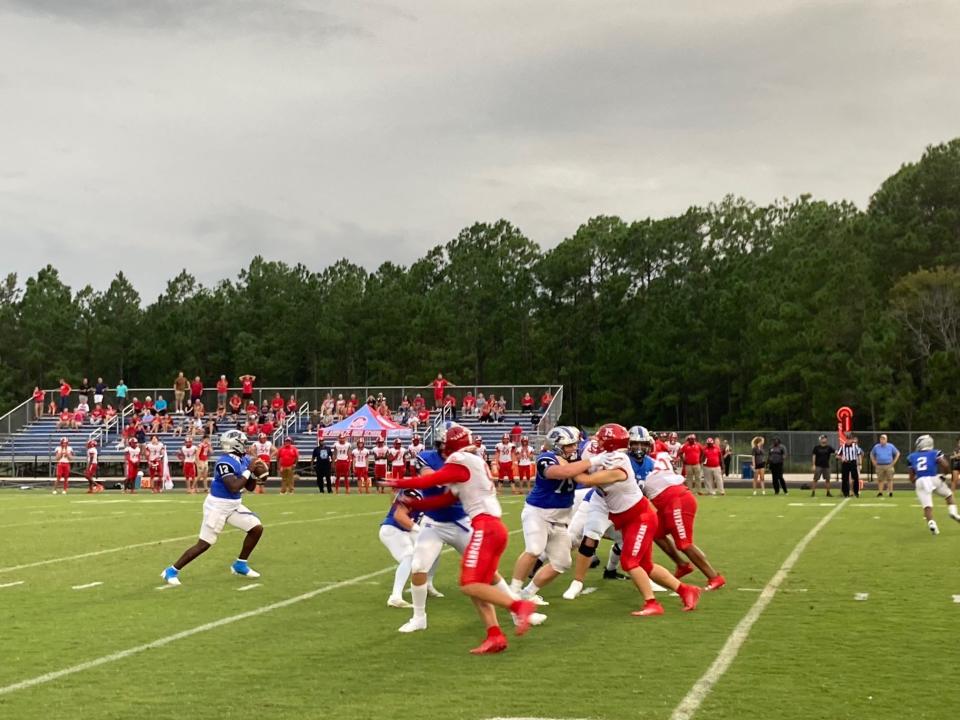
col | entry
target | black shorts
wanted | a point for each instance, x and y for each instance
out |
(955, 464)
(760, 465)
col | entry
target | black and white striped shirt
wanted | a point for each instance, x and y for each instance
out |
(849, 452)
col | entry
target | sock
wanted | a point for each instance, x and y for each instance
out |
(494, 631)
(241, 562)
(614, 558)
(952, 509)
(503, 587)
(419, 593)
(400, 578)
(516, 586)
(531, 588)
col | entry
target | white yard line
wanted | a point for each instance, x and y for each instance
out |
(123, 654)
(248, 587)
(11, 584)
(728, 653)
(861, 596)
(88, 585)
(181, 538)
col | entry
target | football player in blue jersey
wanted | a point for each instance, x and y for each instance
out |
(397, 533)
(224, 506)
(926, 464)
(547, 512)
(447, 525)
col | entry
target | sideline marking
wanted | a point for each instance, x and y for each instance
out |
(248, 587)
(728, 653)
(121, 655)
(18, 582)
(181, 538)
(861, 596)
(88, 585)
(956, 599)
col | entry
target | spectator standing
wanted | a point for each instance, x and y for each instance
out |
(776, 458)
(526, 403)
(321, 461)
(691, 455)
(851, 455)
(727, 455)
(440, 385)
(196, 391)
(99, 391)
(84, 391)
(545, 400)
(65, 391)
(222, 387)
(246, 386)
(516, 432)
(884, 456)
(712, 467)
(758, 463)
(121, 392)
(38, 398)
(203, 463)
(287, 458)
(180, 385)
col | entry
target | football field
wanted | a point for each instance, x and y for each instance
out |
(832, 609)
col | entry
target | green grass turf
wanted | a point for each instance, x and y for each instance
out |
(812, 654)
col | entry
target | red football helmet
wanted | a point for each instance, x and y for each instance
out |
(91, 443)
(524, 439)
(458, 437)
(132, 442)
(416, 439)
(612, 437)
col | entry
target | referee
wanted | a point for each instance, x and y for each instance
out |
(850, 455)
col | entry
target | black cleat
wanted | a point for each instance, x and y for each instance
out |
(613, 575)
(594, 562)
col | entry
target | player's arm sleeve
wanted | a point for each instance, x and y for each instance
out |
(435, 502)
(447, 475)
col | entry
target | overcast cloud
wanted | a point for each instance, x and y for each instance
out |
(152, 135)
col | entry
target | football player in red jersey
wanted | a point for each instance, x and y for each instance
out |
(506, 454)
(341, 463)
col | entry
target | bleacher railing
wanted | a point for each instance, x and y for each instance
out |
(551, 416)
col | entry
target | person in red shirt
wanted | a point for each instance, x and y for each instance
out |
(251, 408)
(38, 396)
(439, 390)
(276, 403)
(291, 405)
(246, 386)
(96, 417)
(691, 455)
(137, 405)
(251, 428)
(66, 421)
(450, 404)
(203, 463)
(196, 390)
(469, 404)
(526, 403)
(63, 456)
(545, 400)
(65, 391)
(267, 427)
(235, 404)
(713, 467)
(419, 403)
(222, 387)
(287, 458)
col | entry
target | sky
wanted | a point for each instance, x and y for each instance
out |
(153, 135)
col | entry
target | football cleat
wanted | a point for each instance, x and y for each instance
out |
(690, 595)
(398, 602)
(682, 570)
(650, 607)
(594, 562)
(535, 599)
(240, 567)
(715, 583)
(571, 593)
(433, 592)
(613, 575)
(491, 645)
(934, 530)
(413, 625)
(171, 575)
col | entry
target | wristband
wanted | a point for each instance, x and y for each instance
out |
(245, 474)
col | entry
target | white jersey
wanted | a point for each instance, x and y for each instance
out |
(133, 455)
(674, 449)
(397, 456)
(662, 476)
(155, 451)
(263, 450)
(481, 451)
(189, 453)
(341, 451)
(504, 452)
(92, 455)
(416, 449)
(621, 496)
(478, 495)
(380, 455)
(525, 455)
(360, 457)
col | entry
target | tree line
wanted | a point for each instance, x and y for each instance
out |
(732, 315)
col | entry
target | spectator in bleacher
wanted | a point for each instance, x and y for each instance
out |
(276, 403)
(222, 387)
(251, 428)
(235, 404)
(486, 414)
(121, 392)
(340, 407)
(97, 415)
(81, 411)
(197, 428)
(263, 411)
(499, 409)
(469, 404)
(180, 386)
(198, 409)
(110, 413)
(383, 409)
(450, 404)
(545, 400)
(353, 404)
(314, 420)
(66, 421)
(129, 432)
(418, 403)
(38, 397)
(147, 417)
(196, 390)
(251, 408)
(421, 418)
(440, 385)
(65, 391)
(246, 386)
(160, 406)
(481, 402)
(404, 411)
(292, 405)
(182, 427)
(83, 392)
(327, 410)
(99, 391)
(526, 403)
(268, 425)
(53, 408)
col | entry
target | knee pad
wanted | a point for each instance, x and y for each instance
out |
(586, 549)
(616, 549)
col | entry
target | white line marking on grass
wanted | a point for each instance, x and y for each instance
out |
(88, 585)
(525, 717)
(181, 538)
(248, 587)
(728, 653)
(861, 596)
(164, 587)
(874, 505)
(6, 585)
(288, 512)
(956, 599)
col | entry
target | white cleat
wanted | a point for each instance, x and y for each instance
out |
(433, 592)
(934, 530)
(398, 602)
(535, 619)
(573, 592)
(414, 624)
(536, 600)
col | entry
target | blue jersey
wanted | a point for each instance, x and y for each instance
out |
(641, 466)
(414, 516)
(924, 462)
(227, 465)
(547, 493)
(452, 513)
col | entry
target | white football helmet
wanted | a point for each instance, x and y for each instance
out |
(638, 433)
(563, 436)
(924, 442)
(234, 442)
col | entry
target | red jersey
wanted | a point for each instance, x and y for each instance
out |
(276, 403)
(267, 428)
(235, 403)
(196, 388)
(691, 453)
(247, 386)
(469, 401)
(438, 388)
(713, 455)
(204, 452)
(250, 428)
(288, 456)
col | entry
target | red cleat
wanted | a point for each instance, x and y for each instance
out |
(650, 607)
(690, 595)
(495, 644)
(523, 609)
(716, 583)
(682, 570)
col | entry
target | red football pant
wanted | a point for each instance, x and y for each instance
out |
(189, 470)
(91, 471)
(63, 471)
(505, 470)
(342, 468)
(676, 511)
(398, 471)
(524, 471)
(638, 534)
(380, 471)
(482, 556)
(362, 473)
